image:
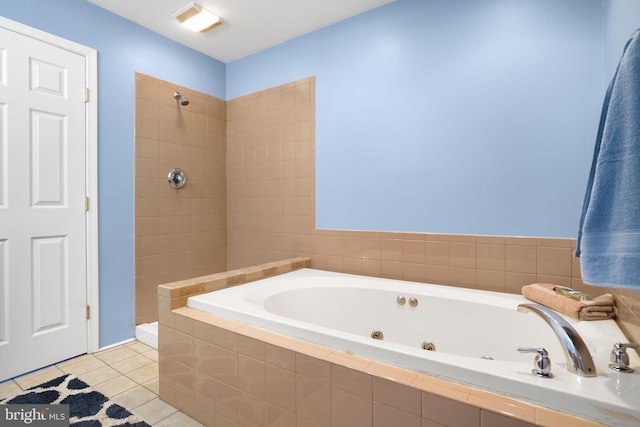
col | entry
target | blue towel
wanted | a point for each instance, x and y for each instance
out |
(609, 233)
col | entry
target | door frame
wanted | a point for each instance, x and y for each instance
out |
(91, 166)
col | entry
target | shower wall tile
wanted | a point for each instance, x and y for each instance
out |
(438, 252)
(438, 274)
(252, 411)
(491, 280)
(521, 259)
(384, 415)
(554, 242)
(449, 412)
(491, 256)
(251, 348)
(351, 380)
(464, 277)
(521, 241)
(312, 368)
(555, 261)
(280, 357)
(413, 251)
(397, 395)
(391, 249)
(178, 233)
(251, 375)
(280, 387)
(270, 176)
(463, 255)
(390, 269)
(303, 422)
(313, 400)
(350, 410)
(515, 281)
(413, 272)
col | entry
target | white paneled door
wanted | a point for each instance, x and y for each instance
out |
(43, 280)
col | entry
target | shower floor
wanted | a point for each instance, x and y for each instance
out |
(148, 333)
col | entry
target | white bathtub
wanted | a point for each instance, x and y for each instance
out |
(475, 334)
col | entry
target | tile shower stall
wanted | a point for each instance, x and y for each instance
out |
(178, 233)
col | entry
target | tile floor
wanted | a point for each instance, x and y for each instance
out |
(127, 374)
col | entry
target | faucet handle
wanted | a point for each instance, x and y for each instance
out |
(620, 358)
(541, 363)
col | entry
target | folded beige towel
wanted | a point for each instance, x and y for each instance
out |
(599, 308)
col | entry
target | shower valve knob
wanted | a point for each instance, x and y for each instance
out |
(541, 363)
(177, 178)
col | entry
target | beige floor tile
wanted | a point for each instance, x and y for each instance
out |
(132, 363)
(154, 410)
(116, 354)
(178, 420)
(153, 385)
(139, 347)
(74, 360)
(38, 377)
(86, 364)
(9, 389)
(115, 386)
(145, 373)
(134, 397)
(99, 375)
(151, 354)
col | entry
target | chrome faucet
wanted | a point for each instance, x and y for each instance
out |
(576, 353)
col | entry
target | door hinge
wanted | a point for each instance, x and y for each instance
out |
(88, 312)
(86, 94)
(86, 203)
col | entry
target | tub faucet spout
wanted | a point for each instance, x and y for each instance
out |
(576, 353)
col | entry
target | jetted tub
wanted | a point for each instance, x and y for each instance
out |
(472, 336)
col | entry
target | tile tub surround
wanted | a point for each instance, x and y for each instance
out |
(178, 233)
(268, 211)
(226, 373)
(271, 216)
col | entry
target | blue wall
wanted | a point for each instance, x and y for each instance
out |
(454, 117)
(458, 117)
(123, 48)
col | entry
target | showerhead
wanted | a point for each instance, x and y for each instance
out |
(183, 99)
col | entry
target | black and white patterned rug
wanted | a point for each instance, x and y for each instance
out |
(87, 407)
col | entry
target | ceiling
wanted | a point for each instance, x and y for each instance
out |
(248, 25)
